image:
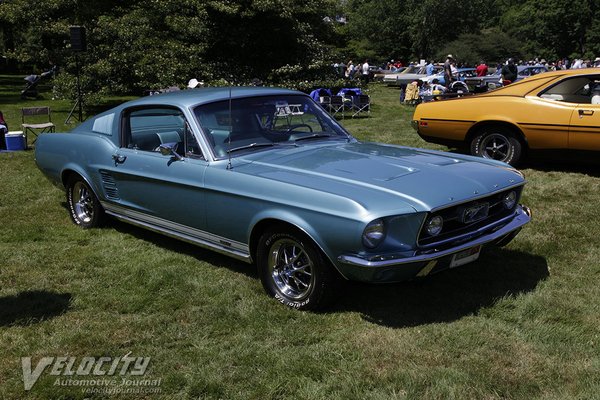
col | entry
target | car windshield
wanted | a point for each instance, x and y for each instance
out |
(257, 123)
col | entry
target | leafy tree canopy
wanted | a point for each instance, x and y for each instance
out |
(144, 44)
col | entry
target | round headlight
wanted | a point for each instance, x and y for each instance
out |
(434, 225)
(509, 200)
(374, 234)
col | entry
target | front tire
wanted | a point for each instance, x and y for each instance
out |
(497, 143)
(293, 270)
(84, 208)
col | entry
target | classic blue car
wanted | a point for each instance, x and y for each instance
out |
(268, 177)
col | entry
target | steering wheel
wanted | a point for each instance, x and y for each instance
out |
(294, 127)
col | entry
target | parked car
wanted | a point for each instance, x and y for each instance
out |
(461, 75)
(478, 84)
(379, 74)
(268, 177)
(548, 111)
(525, 71)
(408, 75)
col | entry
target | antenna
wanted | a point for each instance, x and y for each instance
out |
(229, 166)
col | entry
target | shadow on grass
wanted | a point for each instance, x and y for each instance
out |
(182, 247)
(27, 308)
(585, 164)
(440, 298)
(556, 161)
(449, 295)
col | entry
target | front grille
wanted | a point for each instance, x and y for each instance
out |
(466, 218)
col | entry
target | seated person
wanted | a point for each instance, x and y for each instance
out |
(435, 86)
(3, 131)
(595, 94)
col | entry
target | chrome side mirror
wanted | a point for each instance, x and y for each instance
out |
(170, 149)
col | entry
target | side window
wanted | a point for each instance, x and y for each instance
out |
(148, 128)
(576, 90)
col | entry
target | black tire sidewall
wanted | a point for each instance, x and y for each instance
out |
(320, 292)
(514, 151)
(97, 208)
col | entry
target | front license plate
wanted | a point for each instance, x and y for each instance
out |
(465, 256)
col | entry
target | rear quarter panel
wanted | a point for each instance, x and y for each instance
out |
(83, 153)
(543, 122)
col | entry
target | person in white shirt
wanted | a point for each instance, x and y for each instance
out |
(365, 71)
(350, 70)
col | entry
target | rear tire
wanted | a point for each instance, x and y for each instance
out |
(84, 208)
(497, 143)
(294, 271)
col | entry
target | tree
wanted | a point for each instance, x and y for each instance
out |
(156, 43)
(549, 28)
(491, 45)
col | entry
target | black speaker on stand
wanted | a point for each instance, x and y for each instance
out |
(78, 44)
(78, 40)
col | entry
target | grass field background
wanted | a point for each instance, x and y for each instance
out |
(522, 322)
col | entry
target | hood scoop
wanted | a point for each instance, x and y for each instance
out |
(388, 173)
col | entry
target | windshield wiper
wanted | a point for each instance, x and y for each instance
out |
(253, 145)
(315, 136)
(249, 146)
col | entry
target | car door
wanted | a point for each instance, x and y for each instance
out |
(584, 132)
(164, 190)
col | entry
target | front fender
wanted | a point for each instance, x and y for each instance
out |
(324, 230)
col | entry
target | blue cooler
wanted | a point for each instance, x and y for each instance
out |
(15, 141)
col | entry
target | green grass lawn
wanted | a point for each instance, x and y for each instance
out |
(522, 322)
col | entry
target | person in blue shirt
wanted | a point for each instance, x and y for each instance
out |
(429, 68)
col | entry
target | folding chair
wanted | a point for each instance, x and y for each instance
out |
(336, 106)
(411, 96)
(325, 102)
(360, 104)
(38, 127)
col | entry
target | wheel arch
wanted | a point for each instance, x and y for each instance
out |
(261, 226)
(66, 175)
(479, 126)
(69, 172)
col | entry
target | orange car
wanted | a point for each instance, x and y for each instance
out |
(549, 111)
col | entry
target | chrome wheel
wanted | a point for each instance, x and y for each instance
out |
(497, 143)
(291, 269)
(84, 208)
(83, 203)
(496, 147)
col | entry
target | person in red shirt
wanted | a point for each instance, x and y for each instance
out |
(481, 69)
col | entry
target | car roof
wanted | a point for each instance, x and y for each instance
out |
(192, 97)
(189, 98)
(525, 86)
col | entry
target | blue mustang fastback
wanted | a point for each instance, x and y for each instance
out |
(268, 177)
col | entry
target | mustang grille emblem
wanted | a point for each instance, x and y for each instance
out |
(475, 213)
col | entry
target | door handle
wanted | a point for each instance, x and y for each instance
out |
(586, 112)
(119, 159)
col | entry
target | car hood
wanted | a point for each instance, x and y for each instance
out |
(383, 177)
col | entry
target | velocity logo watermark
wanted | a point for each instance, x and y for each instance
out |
(111, 373)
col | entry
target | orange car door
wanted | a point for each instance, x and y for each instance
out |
(584, 132)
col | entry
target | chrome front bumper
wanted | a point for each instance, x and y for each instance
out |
(391, 267)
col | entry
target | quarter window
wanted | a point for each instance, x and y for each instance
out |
(148, 128)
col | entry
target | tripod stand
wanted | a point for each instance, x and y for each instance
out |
(78, 101)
